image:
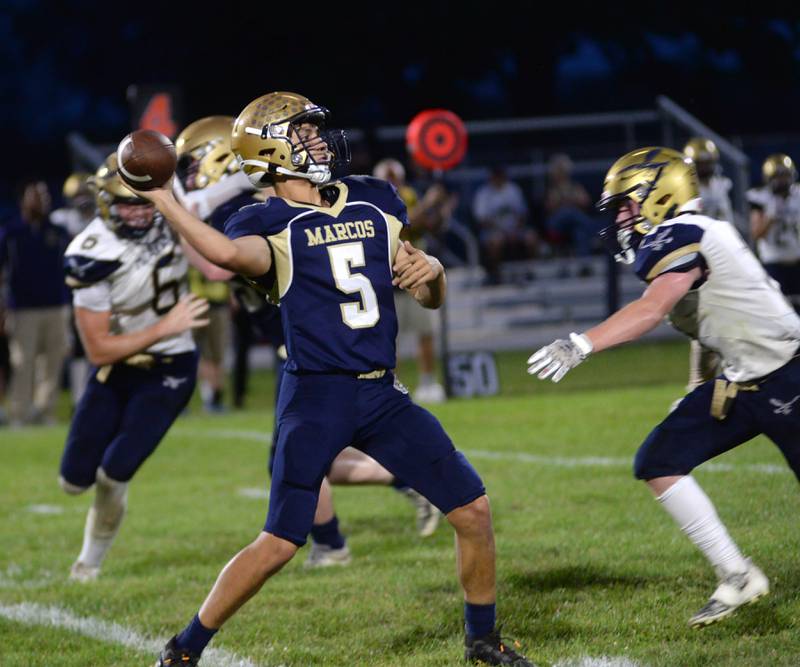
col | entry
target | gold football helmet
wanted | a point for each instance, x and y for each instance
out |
(197, 142)
(76, 184)
(110, 190)
(779, 173)
(705, 155)
(660, 180)
(266, 140)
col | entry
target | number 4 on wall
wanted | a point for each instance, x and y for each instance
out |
(158, 115)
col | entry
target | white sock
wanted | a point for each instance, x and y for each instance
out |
(206, 392)
(104, 519)
(693, 511)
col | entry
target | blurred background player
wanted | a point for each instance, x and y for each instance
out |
(79, 206)
(413, 319)
(135, 314)
(37, 319)
(701, 274)
(338, 388)
(502, 212)
(205, 142)
(715, 187)
(775, 223)
(78, 211)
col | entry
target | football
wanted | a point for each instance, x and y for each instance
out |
(146, 159)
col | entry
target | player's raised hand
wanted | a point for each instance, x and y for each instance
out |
(186, 314)
(413, 268)
(554, 361)
(155, 195)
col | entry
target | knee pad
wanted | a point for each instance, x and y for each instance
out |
(69, 487)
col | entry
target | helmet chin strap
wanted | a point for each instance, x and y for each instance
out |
(318, 174)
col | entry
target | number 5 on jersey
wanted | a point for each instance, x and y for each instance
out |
(355, 314)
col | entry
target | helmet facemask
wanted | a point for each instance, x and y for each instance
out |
(622, 237)
(305, 157)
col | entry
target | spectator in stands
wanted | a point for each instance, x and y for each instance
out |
(500, 209)
(411, 317)
(566, 204)
(31, 257)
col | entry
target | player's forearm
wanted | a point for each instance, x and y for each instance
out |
(211, 244)
(759, 226)
(105, 349)
(432, 294)
(627, 324)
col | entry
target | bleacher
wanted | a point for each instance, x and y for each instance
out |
(537, 302)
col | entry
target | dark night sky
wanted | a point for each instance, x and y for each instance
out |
(66, 66)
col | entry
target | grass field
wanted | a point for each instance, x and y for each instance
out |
(590, 570)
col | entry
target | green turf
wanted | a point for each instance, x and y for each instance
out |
(588, 564)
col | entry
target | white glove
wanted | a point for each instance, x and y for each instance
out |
(559, 357)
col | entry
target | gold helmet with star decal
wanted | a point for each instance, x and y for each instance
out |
(660, 180)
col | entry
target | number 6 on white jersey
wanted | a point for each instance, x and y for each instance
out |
(354, 314)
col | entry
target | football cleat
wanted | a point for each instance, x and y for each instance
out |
(492, 650)
(734, 590)
(173, 656)
(83, 573)
(427, 513)
(321, 555)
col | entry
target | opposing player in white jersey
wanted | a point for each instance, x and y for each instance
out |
(701, 273)
(134, 314)
(775, 223)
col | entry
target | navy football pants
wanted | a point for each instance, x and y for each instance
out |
(690, 436)
(320, 415)
(119, 422)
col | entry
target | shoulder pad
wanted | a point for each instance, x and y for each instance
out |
(669, 247)
(260, 219)
(378, 193)
(82, 271)
(97, 241)
(92, 255)
(224, 211)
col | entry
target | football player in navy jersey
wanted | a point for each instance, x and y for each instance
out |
(134, 314)
(330, 254)
(701, 274)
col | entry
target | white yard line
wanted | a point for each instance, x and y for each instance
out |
(57, 617)
(602, 661)
(518, 457)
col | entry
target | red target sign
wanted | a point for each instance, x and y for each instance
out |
(436, 139)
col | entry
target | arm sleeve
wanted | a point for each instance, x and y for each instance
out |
(96, 297)
(245, 222)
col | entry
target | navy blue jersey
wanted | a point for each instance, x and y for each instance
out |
(333, 270)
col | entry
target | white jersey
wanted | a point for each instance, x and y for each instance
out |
(781, 244)
(716, 199)
(738, 311)
(138, 280)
